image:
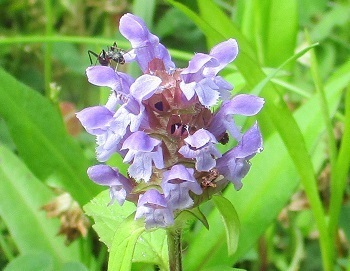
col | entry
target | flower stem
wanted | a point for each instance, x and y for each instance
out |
(174, 249)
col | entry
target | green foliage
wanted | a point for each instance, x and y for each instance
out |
(21, 196)
(42, 43)
(111, 226)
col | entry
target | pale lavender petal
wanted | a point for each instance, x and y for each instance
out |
(119, 185)
(250, 144)
(140, 141)
(153, 207)
(188, 89)
(234, 164)
(146, 46)
(207, 92)
(224, 87)
(201, 146)
(144, 87)
(108, 144)
(95, 119)
(204, 161)
(176, 185)
(195, 67)
(135, 30)
(143, 151)
(200, 138)
(243, 104)
(141, 167)
(103, 76)
(224, 52)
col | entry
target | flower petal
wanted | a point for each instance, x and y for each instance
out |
(103, 76)
(95, 119)
(224, 52)
(144, 87)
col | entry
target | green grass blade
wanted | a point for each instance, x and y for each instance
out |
(37, 129)
(21, 197)
(282, 30)
(341, 171)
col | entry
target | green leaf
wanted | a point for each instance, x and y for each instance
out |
(37, 130)
(281, 30)
(204, 26)
(74, 266)
(151, 247)
(258, 88)
(231, 222)
(338, 15)
(225, 27)
(222, 268)
(21, 196)
(31, 262)
(123, 244)
(197, 213)
(107, 217)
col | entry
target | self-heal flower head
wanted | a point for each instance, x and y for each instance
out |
(163, 126)
(234, 164)
(153, 207)
(176, 185)
(119, 185)
(201, 146)
(143, 150)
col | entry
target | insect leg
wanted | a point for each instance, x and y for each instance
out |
(94, 54)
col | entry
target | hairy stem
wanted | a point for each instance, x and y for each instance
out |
(174, 249)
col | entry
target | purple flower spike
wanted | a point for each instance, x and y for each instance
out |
(145, 45)
(243, 104)
(176, 185)
(119, 186)
(201, 146)
(234, 164)
(163, 126)
(152, 205)
(143, 150)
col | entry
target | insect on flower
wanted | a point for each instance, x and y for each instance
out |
(106, 57)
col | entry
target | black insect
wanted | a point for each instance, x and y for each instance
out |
(107, 57)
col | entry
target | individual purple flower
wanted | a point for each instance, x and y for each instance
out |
(119, 186)
(243, 104)
(143, 151)
(99, 121)
(234, 164)
(95, 119)
(201, 146)
(146, 46)
(119, 83)
(176, 184)
(200, 76)
(153, 206)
